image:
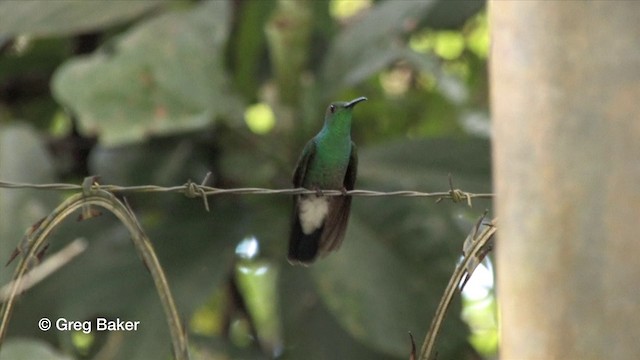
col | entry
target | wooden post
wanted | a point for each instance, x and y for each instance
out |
(565, 84)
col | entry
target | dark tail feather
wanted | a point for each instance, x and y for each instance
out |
(303, 248)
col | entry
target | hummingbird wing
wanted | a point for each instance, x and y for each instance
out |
(303, 248)
(335, 225)
(306, 157)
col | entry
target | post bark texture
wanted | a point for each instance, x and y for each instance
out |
(565, 83)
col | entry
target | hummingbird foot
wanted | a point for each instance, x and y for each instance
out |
(319, 192)
(343, 191)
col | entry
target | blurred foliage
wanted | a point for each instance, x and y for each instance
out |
(161, 92)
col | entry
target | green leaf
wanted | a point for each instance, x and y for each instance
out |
(64, 17)
(398, 254)
(425, 165)
(247, 46)
(377, 40)
(311, 330)
(27, 349)
(165, 75)
(370, 44)
(448, 14)
(109, 280)
(194, 247)
(289, 35)
(22, 159)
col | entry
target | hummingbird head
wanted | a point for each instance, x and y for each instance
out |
(341, 110)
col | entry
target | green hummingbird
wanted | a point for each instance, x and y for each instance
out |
(328, 162)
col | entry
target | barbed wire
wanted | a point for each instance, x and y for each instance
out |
(191, 189)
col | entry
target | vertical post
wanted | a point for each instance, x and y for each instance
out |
(565, 83)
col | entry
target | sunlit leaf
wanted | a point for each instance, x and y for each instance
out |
(377, 39)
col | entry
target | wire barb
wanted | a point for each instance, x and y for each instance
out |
(192, 190)
(457, 195)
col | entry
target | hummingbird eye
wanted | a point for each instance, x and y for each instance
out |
(332, 108)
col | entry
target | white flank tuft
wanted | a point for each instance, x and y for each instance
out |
(313, 211)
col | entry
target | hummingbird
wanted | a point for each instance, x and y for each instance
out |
(328, 161)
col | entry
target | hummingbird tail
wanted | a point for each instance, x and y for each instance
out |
(303, 248)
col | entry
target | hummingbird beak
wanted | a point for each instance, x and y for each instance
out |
(351, 103)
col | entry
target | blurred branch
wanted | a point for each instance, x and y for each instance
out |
(477, 250)
(412, 354)
(48, 267)
(33, 243)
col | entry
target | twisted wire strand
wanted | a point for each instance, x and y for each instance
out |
(193, 190)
